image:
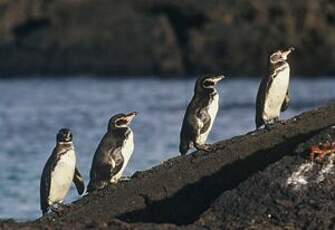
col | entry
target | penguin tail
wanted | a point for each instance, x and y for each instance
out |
(183, 149)
(259, 121)
(44, 211)
(92, 186)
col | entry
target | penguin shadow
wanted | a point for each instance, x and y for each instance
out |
(188, 204)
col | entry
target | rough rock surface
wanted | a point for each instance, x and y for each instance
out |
(293, 193)
(164, 37)
(186, 192)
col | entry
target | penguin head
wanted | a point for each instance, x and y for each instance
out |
(280, 55)
(207, 83)
(64, 135)
(121, 120)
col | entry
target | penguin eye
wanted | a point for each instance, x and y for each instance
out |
(121, 122)
(274, 58)
(207, 83)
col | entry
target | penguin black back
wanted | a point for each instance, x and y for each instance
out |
(113, 152)
(200, 114)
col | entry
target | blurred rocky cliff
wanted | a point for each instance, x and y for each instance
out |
(146, 37)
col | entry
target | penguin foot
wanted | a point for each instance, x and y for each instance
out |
(58, 208)
(270, 126)
(205, 148)
(45, 211)
(124, 179)
(260, 127)
(283, 122)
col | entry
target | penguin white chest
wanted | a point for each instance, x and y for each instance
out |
(61, 177)
(126, 151)
(276, 95)
(213, 108)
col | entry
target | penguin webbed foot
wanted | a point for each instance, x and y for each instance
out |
(96, 186)
(124, 179)
(58, 208)
(269, 126)
(205, 148)
(260, 127)
(283, 122)
(45, 211)
(278, 121)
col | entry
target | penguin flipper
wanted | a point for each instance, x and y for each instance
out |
(205, 120)
(46, 182)
(185, 142)
(260, 100)
(103, 171)
(44, 193)
(285, 102)
(78, 181)
(118, 161)
(186, 136)
(183, 148)
(100, 175)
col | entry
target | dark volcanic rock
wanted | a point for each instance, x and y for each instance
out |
(164, 37)
(262, 180)
(293, 193)
(183, 189)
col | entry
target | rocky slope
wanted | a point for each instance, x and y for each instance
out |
(235, 185)
(293, 193)
(163, 37)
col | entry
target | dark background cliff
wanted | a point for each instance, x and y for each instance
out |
(147, 37)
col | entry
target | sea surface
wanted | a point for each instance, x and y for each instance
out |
(33, 110)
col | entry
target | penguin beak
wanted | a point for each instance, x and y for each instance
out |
(286, 53)
(218, 78)
(130, 116)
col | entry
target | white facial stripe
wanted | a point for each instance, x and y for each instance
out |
(63, 143)
(214, 79)
(122, 126)
(280, 56)
(130, 117)
(208, 81)
(286, 53)
(217, 80)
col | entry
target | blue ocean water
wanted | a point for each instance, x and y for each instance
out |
(33, 110)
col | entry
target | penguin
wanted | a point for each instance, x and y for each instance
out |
(113, 152)
(200, 115)
(273, 93)
(58, 174)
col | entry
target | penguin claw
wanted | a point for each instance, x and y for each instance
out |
(205, 148)
(58, 209)
(270, 126)
(260, 127)
(124, 179)
(283, 122)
